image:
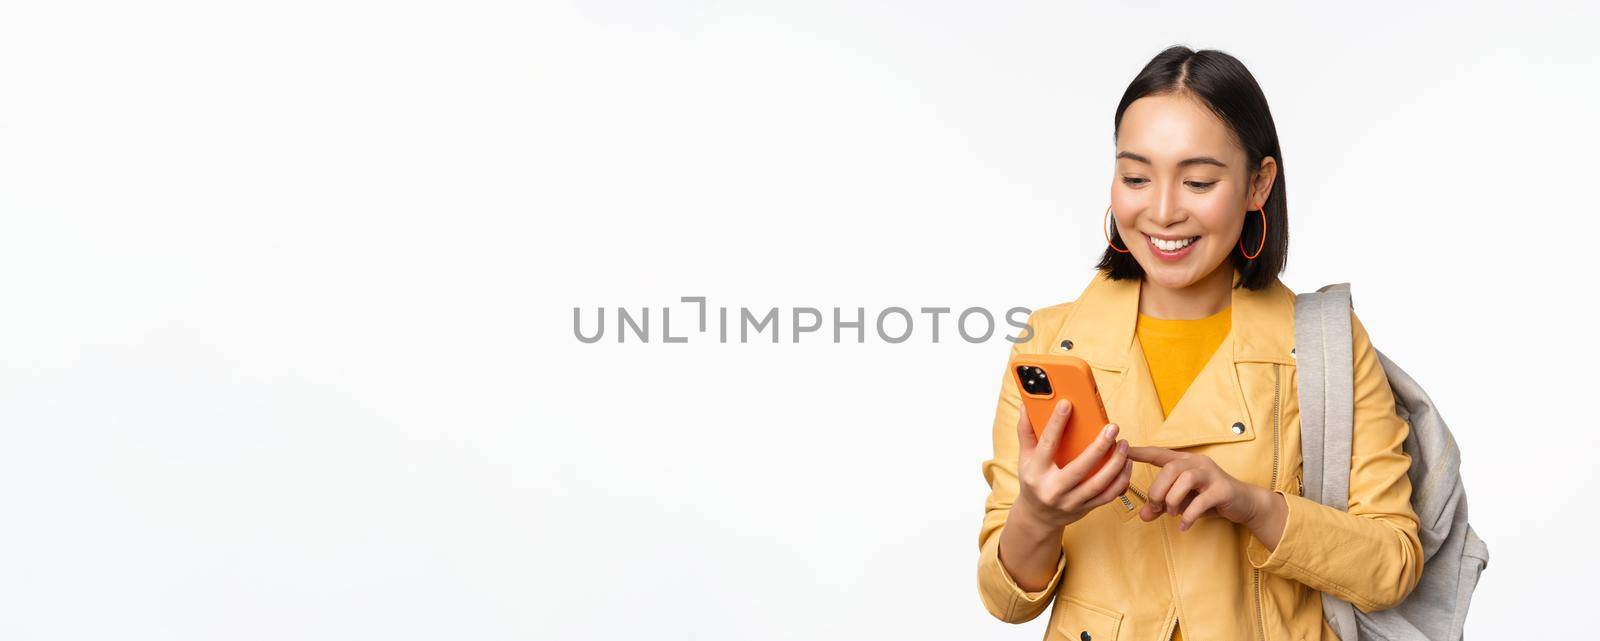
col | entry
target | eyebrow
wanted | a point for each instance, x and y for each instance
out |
(1197, 160)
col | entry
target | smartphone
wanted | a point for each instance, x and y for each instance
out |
(1044, 379)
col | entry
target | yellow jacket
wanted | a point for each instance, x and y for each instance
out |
(1121, 578)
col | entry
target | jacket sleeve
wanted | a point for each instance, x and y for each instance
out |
(1368, 555)
(1001, 595)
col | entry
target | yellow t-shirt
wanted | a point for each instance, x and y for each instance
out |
(1176, 351)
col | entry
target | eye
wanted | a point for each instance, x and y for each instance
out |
(1200, 185)
(1129, 180)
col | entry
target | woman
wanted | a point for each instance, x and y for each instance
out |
(1197, 530)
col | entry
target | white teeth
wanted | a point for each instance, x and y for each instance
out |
(1171, 245)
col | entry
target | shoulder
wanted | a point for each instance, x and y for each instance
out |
(1371, 381)
(1360, 340)
(1043, 325)
(1055, 312)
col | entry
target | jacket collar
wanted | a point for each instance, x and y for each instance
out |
(1100, 328)
(1102, 320)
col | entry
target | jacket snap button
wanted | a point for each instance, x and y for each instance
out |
(1238, 428)
(1066, 344)
(1084, 635)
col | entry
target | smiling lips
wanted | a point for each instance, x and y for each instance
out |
(1172, 245)
(1171, 249)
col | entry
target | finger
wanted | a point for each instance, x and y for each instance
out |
(1084, 464)
(1157, 456)
(1104, 476)
(1026, 441)
(1052, 432)
(1158, 488)
(1182, 505)
(1148, 512)
(1181, 487)
(1118, 486)
(1198, 508)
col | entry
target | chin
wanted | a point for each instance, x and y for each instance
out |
(1172, 276)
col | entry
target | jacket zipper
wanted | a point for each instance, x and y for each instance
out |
(1124, 497)
(1256, 573)
(1126, 504)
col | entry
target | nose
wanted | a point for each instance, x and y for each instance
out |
(1167, 212)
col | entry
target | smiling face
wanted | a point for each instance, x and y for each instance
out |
(1181, 189)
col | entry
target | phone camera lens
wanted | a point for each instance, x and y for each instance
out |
(1034, 380)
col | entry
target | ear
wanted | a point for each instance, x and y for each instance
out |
(1261, 184)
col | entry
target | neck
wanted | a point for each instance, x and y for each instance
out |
(1202, 298)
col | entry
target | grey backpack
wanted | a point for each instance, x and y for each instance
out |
(1453, 555)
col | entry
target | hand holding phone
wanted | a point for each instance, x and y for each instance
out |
(1053, 497)
(1043, 380)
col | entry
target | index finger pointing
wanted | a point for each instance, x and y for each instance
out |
(1157, 456)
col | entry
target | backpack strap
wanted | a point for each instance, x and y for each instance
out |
(1323, 358)
(1324, 366)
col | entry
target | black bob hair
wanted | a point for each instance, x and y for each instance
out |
(1225, 86)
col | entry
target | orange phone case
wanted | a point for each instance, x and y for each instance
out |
(1067, 377)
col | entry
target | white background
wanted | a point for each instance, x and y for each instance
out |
(286, 347)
